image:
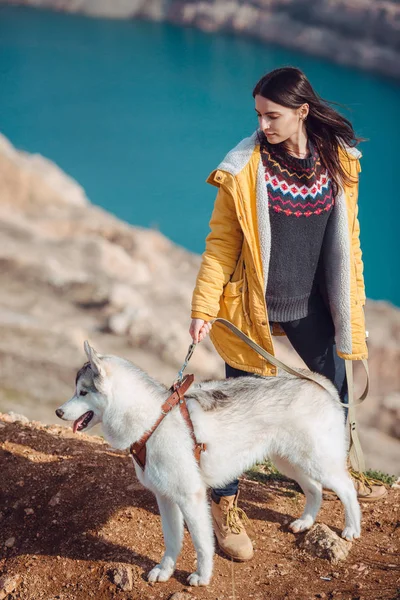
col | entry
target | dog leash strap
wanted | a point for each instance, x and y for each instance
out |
(277, 363)
(356, 455)
(185, 363)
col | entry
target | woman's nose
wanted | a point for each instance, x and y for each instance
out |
(264, 125)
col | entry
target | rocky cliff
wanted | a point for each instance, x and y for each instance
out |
(362, 33)
(70, 271)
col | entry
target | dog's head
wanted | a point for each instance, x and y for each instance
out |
(87, 405)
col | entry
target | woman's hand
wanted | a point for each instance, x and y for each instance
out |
(199, 329)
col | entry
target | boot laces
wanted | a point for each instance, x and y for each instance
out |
(368, 482)
(236, 518)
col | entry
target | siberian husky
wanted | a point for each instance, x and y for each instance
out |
(295, 422)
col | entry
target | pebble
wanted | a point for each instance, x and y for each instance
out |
(123, 578)
(10, 542)
(55, 499)
(8, 584)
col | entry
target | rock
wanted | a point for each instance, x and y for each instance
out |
(29, 511)
(181, 596)
(323, 542)
(8, 584)
(396, 484)
(122, 295)
(123, 578)
(119, 323)
(88, 294)
(134, 487)
(16, 418)
(10, 542)
(55, 499)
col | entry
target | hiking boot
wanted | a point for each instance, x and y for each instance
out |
(229, 529)
(368, 490)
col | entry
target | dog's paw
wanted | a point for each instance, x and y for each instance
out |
(159, 574)
(195, 579)
(301, 524)
(350, 533)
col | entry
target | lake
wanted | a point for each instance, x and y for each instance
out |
(139, 113)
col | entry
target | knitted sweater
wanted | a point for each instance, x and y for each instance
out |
(300, 203)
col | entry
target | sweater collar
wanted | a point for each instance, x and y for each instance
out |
(240, 155)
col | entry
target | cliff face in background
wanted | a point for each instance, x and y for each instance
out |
(361, 33)
(70, 271)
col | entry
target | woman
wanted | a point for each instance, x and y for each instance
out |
(283, 256)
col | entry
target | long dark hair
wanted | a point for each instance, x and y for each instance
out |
(327, 129)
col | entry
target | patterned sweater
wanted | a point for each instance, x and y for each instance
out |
(300, 203)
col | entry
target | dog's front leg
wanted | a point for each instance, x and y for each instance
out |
(197, 516)
(172, 526)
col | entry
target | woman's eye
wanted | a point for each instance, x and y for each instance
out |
(82, 393)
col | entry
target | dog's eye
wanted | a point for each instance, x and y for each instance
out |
(82, 393)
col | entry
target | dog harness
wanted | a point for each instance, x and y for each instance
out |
(138, 449)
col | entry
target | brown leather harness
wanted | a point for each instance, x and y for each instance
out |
(138, 449)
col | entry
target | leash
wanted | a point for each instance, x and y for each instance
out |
(179, 378)
(281, 365)
(355, 452)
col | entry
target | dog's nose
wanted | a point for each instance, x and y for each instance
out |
(59, 413)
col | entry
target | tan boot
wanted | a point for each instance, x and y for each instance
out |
(229, 529)
(368, 490)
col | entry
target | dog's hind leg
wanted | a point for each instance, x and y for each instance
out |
(172, 526)
(311, 488)
(343, 487)
(197, 516)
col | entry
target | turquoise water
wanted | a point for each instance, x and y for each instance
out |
(139, 113)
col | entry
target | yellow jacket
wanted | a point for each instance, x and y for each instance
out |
(232, 279)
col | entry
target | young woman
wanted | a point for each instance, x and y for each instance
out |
(283, 256)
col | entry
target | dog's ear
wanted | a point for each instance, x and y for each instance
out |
(94, 359)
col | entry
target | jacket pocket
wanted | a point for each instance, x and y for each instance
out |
(233, 288)
(236, 299)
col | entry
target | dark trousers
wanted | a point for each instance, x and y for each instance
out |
(313, 338)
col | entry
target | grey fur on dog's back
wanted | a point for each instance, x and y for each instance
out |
(219, 395)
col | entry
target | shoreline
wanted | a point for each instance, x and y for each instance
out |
(357, 34)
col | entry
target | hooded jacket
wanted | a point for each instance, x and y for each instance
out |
(233, 275)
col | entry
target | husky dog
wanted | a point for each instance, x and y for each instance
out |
(293, 421)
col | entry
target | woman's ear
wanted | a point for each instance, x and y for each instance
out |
(303, 111)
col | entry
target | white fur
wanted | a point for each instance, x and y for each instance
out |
(295, 422)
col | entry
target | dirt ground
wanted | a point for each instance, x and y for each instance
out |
(71, 510)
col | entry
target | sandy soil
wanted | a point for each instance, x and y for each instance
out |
(72, 510)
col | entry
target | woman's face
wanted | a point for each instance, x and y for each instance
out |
(279, 123)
